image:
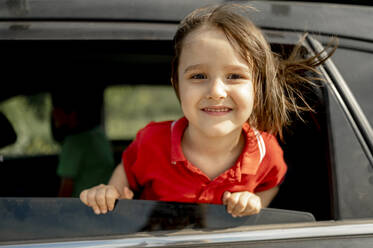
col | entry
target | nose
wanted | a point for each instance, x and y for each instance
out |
(217, 90)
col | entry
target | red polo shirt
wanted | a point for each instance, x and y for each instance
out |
(156, 166)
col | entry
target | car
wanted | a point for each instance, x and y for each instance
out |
(121, 51)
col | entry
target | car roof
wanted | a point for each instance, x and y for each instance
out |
(349, 21)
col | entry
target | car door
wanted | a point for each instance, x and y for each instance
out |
(31, 222)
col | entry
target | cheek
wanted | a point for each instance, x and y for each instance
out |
(245, 96)
(186, 97)
(184, 103)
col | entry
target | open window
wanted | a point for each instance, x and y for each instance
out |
(118, 67)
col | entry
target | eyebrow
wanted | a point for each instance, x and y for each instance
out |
(229, 67)
(192, 67)
(237, 68)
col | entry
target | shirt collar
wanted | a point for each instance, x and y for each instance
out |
(253, 152)
(251, 156)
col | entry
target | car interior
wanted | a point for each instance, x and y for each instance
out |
(91, 66)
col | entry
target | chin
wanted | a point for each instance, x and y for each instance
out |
(219, 130)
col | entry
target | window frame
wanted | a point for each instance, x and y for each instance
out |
(362, 228)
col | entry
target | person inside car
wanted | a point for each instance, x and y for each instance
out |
(236, 95)
(86, 158)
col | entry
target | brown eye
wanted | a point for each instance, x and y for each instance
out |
(234, 76)
(198, 76)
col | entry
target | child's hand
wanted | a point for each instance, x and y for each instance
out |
(102, 197)
(242, 203)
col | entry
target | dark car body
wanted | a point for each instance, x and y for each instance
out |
(326, 199)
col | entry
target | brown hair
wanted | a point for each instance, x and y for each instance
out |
(276, 81)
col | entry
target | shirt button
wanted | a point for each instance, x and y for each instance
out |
(173, 162)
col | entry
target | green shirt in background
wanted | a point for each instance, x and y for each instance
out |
(86, 158)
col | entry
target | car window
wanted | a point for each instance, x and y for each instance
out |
(353, 174)
(356, 68)
(30, 117)
(129, 108)
(126, 46)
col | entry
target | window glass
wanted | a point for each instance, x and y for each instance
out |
(30, 117)
(353, 173)
(356, 69)
(129, 108)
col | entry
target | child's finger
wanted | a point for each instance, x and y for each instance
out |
(86, 196)
(111, 196)
(241, 204)
(101, 199)
(127, 193)
(83, 197)
(253, 205)
(232, 201)
(91, 200)
(226, 195)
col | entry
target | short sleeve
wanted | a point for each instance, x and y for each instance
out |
(70, 157)
(275, 166)
(129, 158)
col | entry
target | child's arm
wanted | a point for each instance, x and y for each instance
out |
(246, 203)
(267, 196)
(102, 198)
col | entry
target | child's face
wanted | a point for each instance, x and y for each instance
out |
(215, 87)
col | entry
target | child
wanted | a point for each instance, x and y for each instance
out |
(86, 158)
(232, 92)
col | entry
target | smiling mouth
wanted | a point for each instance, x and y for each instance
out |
(216, 109)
